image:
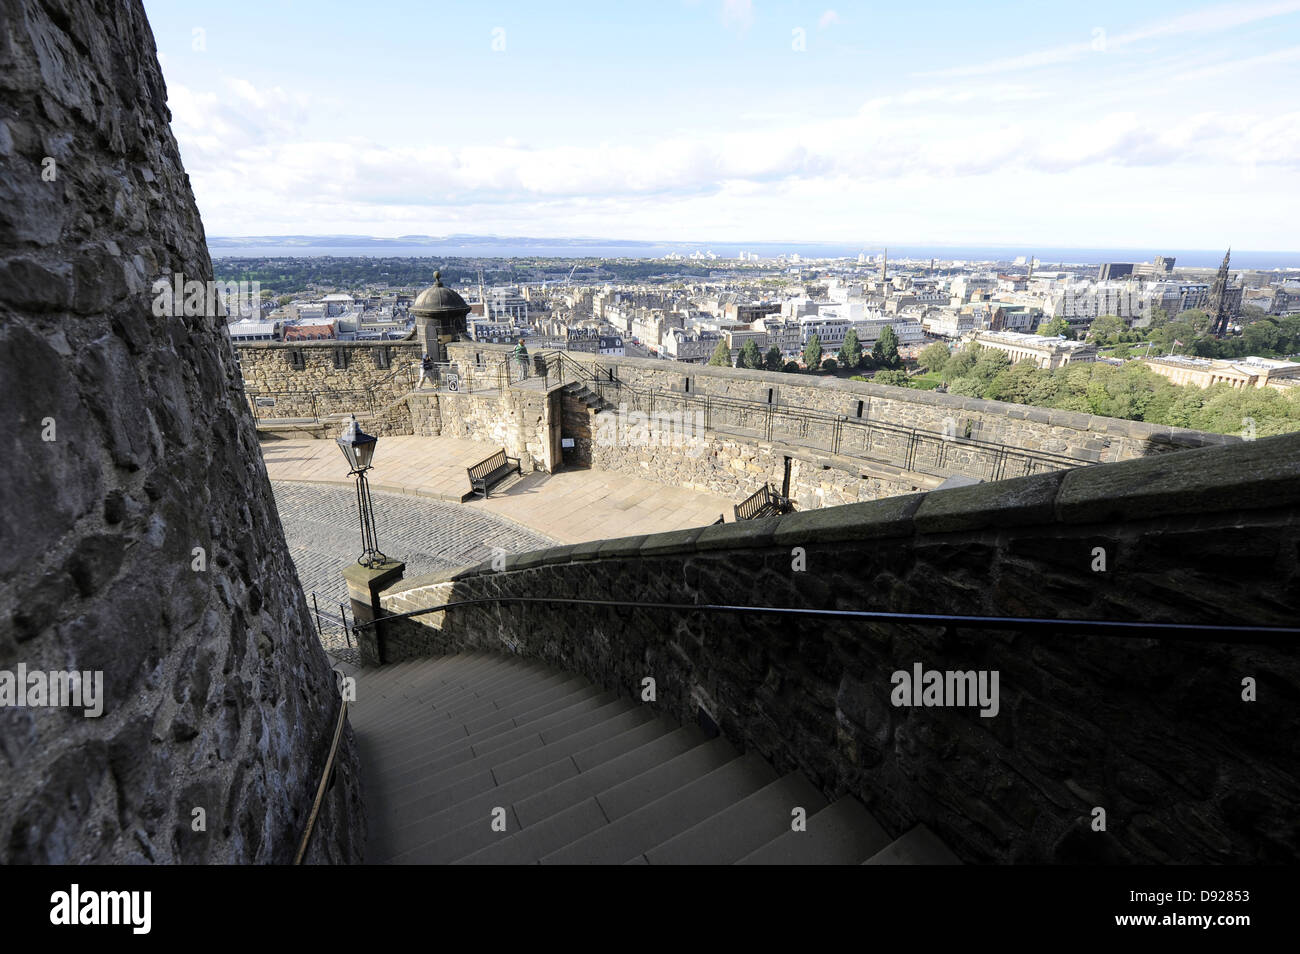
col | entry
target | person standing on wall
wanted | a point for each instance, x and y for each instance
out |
(426, 370)
(521, 355)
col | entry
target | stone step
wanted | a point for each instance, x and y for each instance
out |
(920, 846)
(635, 833)
(734, 832)
(555, 817)
(433, 729)
(432, 697)
(485, 712)
(564, 699)
(443, 704)
(842, 834)
(465, 827)
(432, 747)
(579, 775)
(419, 775)
(391, 685)
(602, 771)
(445, 788)
(378, 680)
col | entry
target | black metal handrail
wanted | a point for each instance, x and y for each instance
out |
(1195, 632)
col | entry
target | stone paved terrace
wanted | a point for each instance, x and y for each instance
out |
(572, 506)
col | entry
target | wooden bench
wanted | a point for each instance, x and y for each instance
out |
(486, 473)
(765, 502)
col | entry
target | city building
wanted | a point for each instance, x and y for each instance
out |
(830, 330)
(743, 314)
(691, 347)
(310, 332)
(1046, 353)
(247, 330)
(1252, 372)
(947, 323)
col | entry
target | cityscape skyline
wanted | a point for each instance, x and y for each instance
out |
(745, 120)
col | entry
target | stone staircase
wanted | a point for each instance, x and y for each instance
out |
(491, 759)
(587, 396)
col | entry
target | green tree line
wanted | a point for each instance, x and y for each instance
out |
(1131, 391)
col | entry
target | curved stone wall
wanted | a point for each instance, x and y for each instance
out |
(141, 540)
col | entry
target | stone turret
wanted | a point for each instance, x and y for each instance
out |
(439, 317)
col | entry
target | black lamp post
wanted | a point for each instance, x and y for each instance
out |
(359, 448)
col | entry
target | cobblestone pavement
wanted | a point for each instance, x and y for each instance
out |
(324, 536)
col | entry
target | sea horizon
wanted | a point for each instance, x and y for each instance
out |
(491, 247)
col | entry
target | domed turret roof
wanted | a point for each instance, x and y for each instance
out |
(439, 298)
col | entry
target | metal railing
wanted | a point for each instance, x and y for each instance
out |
(323, 787)
(331, 622)
(1194, 632)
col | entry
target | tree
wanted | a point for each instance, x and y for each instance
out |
(830, 366)
(885, 351)
(1053, 327)
(891, 377)
(990, 362)
(750, 356)
(812, 353)
(933, 357)
(960, 364)
(1199, 320)
(1261, 337)
(772, 360)
(1106, 329)
(850, 354)
(791, 367)
(721, 355)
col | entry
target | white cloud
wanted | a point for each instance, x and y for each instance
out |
(829, 18)
(738, 13)
(1247, 64)
(978, 146)
(1210, 20)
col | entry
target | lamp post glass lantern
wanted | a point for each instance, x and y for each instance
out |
(359, 449)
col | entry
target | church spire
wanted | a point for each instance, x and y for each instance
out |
(1220, 305)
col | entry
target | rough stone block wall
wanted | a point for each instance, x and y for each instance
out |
(577, 423)
(480, 365)
(736, 468)
(425, 414)
(1156, 731)
(320, 388)
(390, 420)
(128, 448)
(516, 419)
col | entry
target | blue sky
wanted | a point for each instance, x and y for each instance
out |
(1108, 124)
